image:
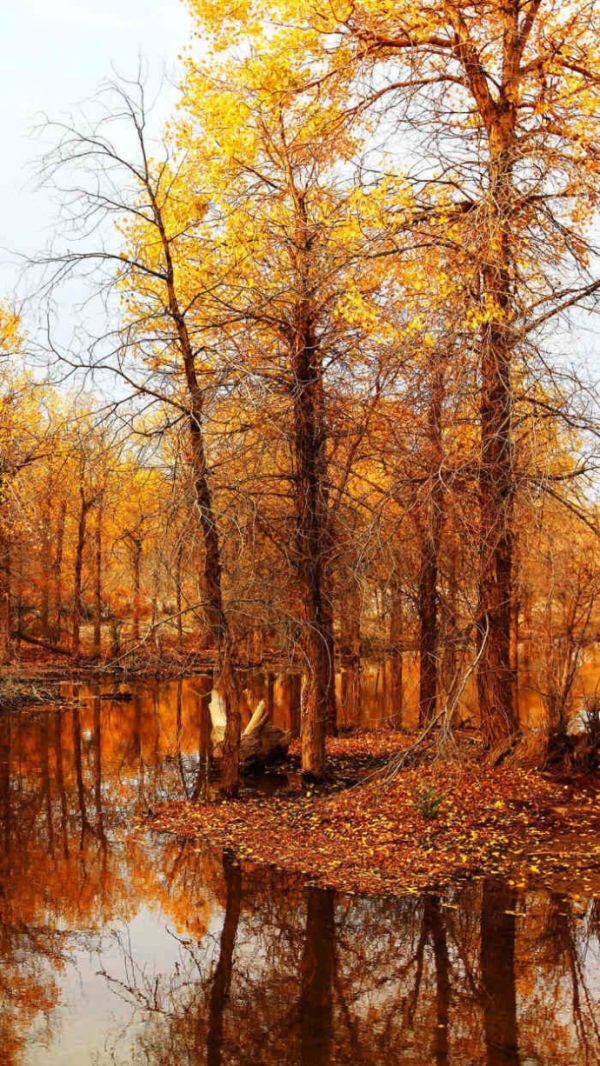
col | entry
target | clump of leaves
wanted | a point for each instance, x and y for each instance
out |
(428, 801)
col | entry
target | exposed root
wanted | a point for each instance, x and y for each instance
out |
(437, 741)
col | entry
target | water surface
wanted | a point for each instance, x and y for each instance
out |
(119, 946)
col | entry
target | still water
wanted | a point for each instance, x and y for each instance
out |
(119, 946)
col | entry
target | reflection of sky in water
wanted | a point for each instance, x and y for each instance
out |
(91, 1011)
(96, 1019)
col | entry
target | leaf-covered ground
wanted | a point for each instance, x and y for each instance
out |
(431, 825)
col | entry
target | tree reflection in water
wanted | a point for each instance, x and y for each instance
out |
(204, 962)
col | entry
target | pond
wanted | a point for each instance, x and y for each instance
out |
(119, 946)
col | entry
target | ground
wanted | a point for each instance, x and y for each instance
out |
(447, 821)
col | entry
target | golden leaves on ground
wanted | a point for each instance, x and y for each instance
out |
(376, 839)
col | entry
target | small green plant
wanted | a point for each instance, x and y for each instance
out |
(428, 801)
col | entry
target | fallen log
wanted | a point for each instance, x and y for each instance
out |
(19, 635)
(261, 743)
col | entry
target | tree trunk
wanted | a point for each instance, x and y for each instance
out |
(46, 539)
(5, 598)
(309, 546)
(261, 743)
(212, 581)
(331, 713)
(178, 594)
(396, 637)
(136, 552)
(496, 481)
(313, 708)
(350, 653)
(270, 696)
(450, 621)
(495, 678)
(430, 550)
(17, 610)
(291, 700)
(77, 579)
(428, 635)
(204, 691)
(227, 678)
(155, 631)
(57, 572)
(97, 638)
(514, 654)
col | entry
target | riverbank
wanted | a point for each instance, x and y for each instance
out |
(430, 826)
(40, 666)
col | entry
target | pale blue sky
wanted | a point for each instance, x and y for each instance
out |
(54, 54)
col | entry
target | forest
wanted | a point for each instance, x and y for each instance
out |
(321, 444)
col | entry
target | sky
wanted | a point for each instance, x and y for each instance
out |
(54, 55)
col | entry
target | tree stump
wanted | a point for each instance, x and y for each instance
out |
(261, 743)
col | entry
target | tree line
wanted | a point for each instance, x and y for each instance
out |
(345, 416)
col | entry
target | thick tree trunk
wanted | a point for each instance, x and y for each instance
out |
(496, 479)
(514, 654)
(310, 542)
(495, 679)
(313, 707)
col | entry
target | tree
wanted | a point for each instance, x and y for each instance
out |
(147, 268)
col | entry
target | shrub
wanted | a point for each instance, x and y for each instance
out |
(428, 801)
